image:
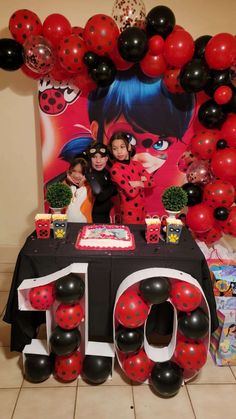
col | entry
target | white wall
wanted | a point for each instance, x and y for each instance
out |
(20, 166)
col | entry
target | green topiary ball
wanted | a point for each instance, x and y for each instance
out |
(174, 198)
(58, 195)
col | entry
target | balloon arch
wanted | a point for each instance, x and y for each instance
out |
(91, 56)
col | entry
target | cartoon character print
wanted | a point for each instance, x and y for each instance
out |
(132, 207)
(55, 96)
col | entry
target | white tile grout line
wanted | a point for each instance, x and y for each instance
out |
(190, 402)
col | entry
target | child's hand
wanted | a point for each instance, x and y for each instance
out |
(82, 181)
(136, 184)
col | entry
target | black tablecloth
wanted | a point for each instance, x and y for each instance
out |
(106, 270)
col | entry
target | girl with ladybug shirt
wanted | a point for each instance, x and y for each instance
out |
(130, 178)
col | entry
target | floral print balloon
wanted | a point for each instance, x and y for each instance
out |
(129, 13)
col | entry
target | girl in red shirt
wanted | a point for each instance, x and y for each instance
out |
(131, 179)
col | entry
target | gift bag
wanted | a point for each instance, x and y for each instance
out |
(223, 340)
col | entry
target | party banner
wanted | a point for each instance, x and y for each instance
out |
(159, 125)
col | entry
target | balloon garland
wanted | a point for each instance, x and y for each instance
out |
(91, 56)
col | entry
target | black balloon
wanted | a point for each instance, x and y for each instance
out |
(91, 59)
(200, 46)
(194, 75)
(155, 290)
(129, 340)
(96, 369)
(64, 342)
(211, 115)
(11, 54)
(221, 213)
(221, 144)
(194, 192)
(104, 72)
(69, 288)
(132, 44)
(216, 79)
(37, 368)
(194, 325)
(160, 21)
(166, 378)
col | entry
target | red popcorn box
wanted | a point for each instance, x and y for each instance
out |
(42, 226)
(153, 227)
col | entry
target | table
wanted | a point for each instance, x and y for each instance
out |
(106, 270)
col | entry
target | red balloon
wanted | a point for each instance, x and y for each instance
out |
(222, 95)
(84, 82)
(153, 65)
(211, 236)
(223, 164)
(228, 131)
(77, 30)
(220, 51)
(24, 23)
(203, 143)
(219, 194)
(138, 366)
(190, 354)
(200, 218)
(69, 316)
(56, 27)
(231, 222)
(171, 80)
(119, 62)
(71, 52)
(131, 310)
(68, 367)
(179, 48)
(185, 296)
(42, 297)
(26, 70)
(156, 45)
(100, 34)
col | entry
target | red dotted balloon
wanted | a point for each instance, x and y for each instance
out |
(24, 23)
(190, 354)
(185, 296)
(71, 52)
(131, 310)
(171, 80)
(42, 297)
(219, 193)
(203, 143)
(69, 316)
(68, 367)
(100, 34)
(138, 366)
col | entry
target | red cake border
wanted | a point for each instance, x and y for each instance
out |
(82, 234)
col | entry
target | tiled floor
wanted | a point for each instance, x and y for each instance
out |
(211, 395)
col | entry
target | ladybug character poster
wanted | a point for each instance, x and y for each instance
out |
(159, 125)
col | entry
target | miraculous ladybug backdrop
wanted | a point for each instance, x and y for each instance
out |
(141, 73)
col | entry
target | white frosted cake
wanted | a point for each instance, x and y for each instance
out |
(105, 237)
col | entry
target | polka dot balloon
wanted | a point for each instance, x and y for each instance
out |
(100, 34)
(24, 23)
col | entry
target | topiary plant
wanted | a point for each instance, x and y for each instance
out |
(58, 195)
(174, 198)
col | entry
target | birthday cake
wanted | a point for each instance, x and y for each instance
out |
(105, 237)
